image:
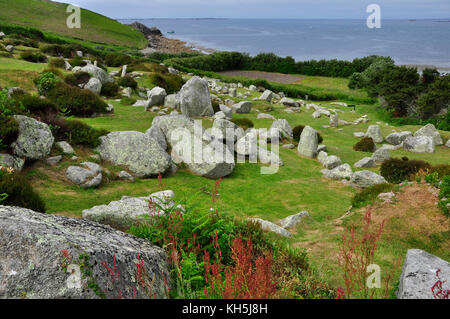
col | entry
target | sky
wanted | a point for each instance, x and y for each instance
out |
(275, 9)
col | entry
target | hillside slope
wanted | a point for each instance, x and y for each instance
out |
(51, 17)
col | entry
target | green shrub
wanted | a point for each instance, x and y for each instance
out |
(297, 132)
(444, 195)
(75, 101)
(397, 170)
(243, 123)
(75, 79)
(9, 106)
(38, 106)
(57, 63)
(77, 61)
(82, 134)
(366, 144)
(147, 67)
(127, 81)
(20, 193)
(62, 50)
(441, 170)
(127, 101)
(33, 56)
(172, 83)
(117, 59)
(46, 82)
(9, 130)
(369, 194)
(110, 89)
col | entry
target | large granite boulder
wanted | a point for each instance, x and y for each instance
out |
(364, 179)
(11, 161)
(96, 72)
(195, 100)
(398, 138)
(374, 132)
(421, 275)
(35, 139)
(140, 152)
(419, 144)
(192, 145)
(308, 142)
(49, 257)
(430, 131)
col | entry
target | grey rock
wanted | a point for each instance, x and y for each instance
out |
(242, 107)
(140, 152)
(398, 138)
(125, 176)
(195, 100)
(267, 96)
(381, 155)
(366, 162)
(65, 148)
(11, 161)
(343, 171)
(97, 73)
(359, 134)
(308, 142)
(293, 220)
(156, 133)
(35, 139)
(172, 101)
(94, 85)
(226, 110)
(332, 161)
(419, 144)
(284, 128)
(430, 131)
(322, 157)
(289, 102)
(264, 116)
(334, 120)
(53, 160)
(363, 179)
(270, 227)
(419, 275)
(89, 176)
(127, 92)
(374, 132)
(31, 246)
(156, 97)
(288, 146)
(268, 157)
(448, 143)
(219, 115)
(224, 130)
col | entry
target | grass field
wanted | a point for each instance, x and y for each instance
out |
(94, 27)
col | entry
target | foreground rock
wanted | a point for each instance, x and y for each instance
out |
(130, 210)
(195, 100)
(270, 227)
(193, 146)
(32, 261)
(35, 139)
(364, 179)
(419, 276)
(140, 152)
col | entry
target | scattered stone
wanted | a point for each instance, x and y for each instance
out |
(11, 161)
(94, 85)
(419, 275)
(53, 160)
(271, 227)
(195, 100)
(140, 152)
(35, 139)
(331, 162)
(125, 176)
(387, 197)
(65, 148)
(430, 131)
(127, 92)
(381, 155)
(293, 220)
(334, 120)
(172, 101)
(41, 239)
(284, 128)
(322, 157)
(288, 146)
(156, 97)
(419, 144)
(343, 171)
(89, 176)
(374, 132)
(264, 116)
(366, 162)
(398, 138)
(289, 102)
(96, 72)
(359, 134)
(266, 96)
(363, 179)
(308, 142)
(321, 148)
(226, 110)
(242, 107)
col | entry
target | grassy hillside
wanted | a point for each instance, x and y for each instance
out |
(51, 17)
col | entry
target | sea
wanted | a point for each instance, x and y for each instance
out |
(408, 42)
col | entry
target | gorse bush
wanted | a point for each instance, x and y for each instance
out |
(369, 194)
(366, 144)
(33, 56)
(397, 170)
(46, 82)
(75, 101)
(298, 130)
(20, 192)
(243, 123)
(127, 81)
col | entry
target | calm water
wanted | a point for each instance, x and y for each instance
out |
(407, 42)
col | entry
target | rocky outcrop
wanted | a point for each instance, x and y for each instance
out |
(421, 274)
(194, 98)
(49, 257)
(140, 152)
(35, 139)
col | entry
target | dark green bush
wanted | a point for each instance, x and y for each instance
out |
(46, 82)
(20, 192)
(145, 66)
(117, 59)
(110, 89)
(127, 81)
(75, 79)
(38, 106)
(33, 56)
(369, 194)
(57, 63)
(444, 195)
(297, 132)
(127, 101)
(366, 144)
(441, 170)
(75, 101)
(9, 130)
(397, 170)
(172, 83)
(82, 134)
(77, 61)
(62, 50)
(243, 123)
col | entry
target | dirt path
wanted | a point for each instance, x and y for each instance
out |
(272, 77)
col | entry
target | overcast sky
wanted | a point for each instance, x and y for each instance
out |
(354, 9)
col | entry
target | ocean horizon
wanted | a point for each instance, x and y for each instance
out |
(421, 42)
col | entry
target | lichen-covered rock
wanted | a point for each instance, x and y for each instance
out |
(289, 102)
(172, 101)
(381, 155)
(419, 144)
(156, 97)
(343, 171)
(94, 85)
(271, 227)
(192, 145)
(430, 131)
(308, 142)
(374, 132)
(420, 275)
(44, 256)
(366, 162)
(224, 130)
(267, 96)
(293, 220)
(140, 152)
(364, 179)
(65, 148)
(195, 100)
(398, 138)
(35, 139)
(332, 161)
(88, 176)
(7, 160)
(158, 135)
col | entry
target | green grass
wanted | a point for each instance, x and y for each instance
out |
(51, 17)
